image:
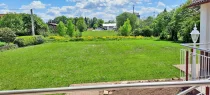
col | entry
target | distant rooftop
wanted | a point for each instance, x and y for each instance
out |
(2, 15)
(198, 2)
(110, 24)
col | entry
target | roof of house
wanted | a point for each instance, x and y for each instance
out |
(53, 24)
(110, 24)
(2, 15)
(198, 2)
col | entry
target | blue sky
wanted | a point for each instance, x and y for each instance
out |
(104, 9)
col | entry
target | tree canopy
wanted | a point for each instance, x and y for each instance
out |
(124, 16)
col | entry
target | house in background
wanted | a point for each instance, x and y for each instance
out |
(52, 25)
(110, 26)
(137, 15)
(1, 15)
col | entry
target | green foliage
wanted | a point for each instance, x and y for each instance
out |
(146, 23)
(2, 44)
(13, 21)
(59, 19)
(58, 38)
(21, 23)
(78, 34)
(7, 35)
(61, 29)
(29, 40)
(146, 31)
(70, 28)
(160, 22)
(164, 35)
(100, 23)
(137, 32)
(126, 28)
(122, 18)
(173, 25)
(81, 26)
(95, 26)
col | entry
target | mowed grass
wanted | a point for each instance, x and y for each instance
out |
(99, 33)
(62, 64)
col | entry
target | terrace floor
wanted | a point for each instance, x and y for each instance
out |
(182, 67)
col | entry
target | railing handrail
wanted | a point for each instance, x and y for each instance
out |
(190, 45)
(105, 87)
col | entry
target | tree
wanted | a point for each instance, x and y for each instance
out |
(124, 16)
(64, 19)
(160, 22)
(70, 28)
(100, 23)
(13, 21)
(95, 26)
(93, 21)
(126, 28)
(61, 29)
(81, 26)
(87, 22)
(21, 23)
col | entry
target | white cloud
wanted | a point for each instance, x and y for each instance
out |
(34, 5)
(3, 5)
(4, 11)
(161, 4)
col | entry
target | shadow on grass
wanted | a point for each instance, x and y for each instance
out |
(179, 42)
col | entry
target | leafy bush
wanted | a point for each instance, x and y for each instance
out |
(8, 47)
(137, 32)
(147, 32)
(2, 44)
(7, 35)
(126, 28)
(78, 34)
(29, 40)
(163, 35)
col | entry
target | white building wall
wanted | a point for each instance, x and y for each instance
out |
(205, 25)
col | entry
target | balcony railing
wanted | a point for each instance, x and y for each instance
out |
(202, 63)
(106, 87)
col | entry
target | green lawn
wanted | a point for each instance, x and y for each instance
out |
(62, 64)
(99, 33)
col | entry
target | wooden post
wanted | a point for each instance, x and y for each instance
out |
(32, 23)
(207, 90)
(187, 62)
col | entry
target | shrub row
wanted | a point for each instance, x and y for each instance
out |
(8, 47)
(91, 38)
(29, 40)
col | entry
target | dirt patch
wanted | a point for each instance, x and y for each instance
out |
(133, 91)
(156, 91)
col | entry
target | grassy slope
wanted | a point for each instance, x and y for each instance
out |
(99, 33)
(62, 64)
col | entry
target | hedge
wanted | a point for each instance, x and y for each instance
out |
(29, 40)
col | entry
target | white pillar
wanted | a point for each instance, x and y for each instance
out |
(205, 25)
